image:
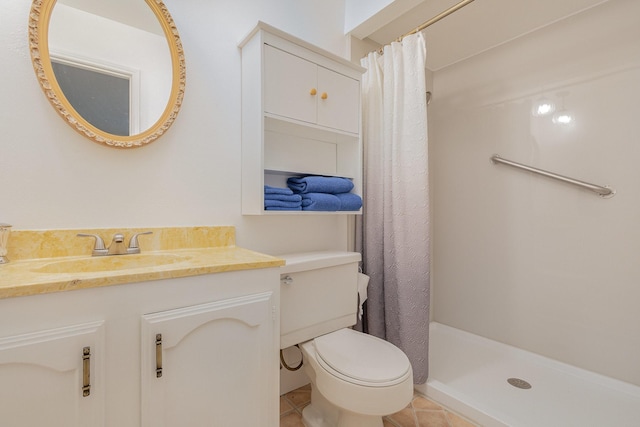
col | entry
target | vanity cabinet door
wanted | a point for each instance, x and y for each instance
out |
(210, 364)
(47, 378)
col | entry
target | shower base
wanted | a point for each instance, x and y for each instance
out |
(470, 374)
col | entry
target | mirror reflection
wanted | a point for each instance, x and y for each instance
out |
(112, 61)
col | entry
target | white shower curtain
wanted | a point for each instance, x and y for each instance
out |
(394, 227)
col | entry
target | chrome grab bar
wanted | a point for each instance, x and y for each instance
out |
(604, 192)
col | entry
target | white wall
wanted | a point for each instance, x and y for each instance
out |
(520, 258)
(363, 17)
(358, 11)
(51, 177)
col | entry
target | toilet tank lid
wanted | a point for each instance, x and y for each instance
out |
(312, 260)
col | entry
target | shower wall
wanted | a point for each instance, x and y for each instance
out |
(520, 258)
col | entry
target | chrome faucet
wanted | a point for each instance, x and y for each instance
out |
(117, 246)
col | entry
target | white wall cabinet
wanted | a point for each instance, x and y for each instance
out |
(301, 115)
(301, 90)
(218, 351)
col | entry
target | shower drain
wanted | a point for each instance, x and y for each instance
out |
(519, 383)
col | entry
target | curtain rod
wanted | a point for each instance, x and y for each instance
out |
(433, 20)
(438, 17)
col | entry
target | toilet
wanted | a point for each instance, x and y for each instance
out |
(355, 378)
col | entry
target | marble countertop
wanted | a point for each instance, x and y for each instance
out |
(171, 253)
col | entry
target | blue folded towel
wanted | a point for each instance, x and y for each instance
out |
(277, 190)
(276, 208)
(281, 204)
(349, 201)
(284, 197)
(320, 202)
(319, 184)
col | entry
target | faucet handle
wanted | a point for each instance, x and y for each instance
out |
(134, 247)
(99, 247)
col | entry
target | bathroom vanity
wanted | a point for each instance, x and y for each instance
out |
(192, 341)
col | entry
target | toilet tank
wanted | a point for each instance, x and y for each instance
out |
(318, 294)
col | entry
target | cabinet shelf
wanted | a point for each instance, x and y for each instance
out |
(299, 149)
(308, 125)
(300, 116)
(306, 213)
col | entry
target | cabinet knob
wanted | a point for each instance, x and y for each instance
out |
(313, 91)
(324, 95)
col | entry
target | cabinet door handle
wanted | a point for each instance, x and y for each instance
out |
(313, 92)
(324, 95)
(158, 355)
(86, 371)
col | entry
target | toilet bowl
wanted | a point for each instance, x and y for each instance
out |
(355, 378)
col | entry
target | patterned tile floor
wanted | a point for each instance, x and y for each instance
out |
(421, 412)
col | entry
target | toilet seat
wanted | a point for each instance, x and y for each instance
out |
(361, 359)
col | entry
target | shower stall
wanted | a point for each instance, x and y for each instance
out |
(537, 280)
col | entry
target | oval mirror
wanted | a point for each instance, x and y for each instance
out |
(114, 70)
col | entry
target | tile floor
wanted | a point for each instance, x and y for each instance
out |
(421, 412)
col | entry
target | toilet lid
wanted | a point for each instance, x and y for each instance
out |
(362, 359)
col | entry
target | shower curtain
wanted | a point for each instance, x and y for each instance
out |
(393, 234)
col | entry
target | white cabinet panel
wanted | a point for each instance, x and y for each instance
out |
(299, 153)
(289, 82)
(42, 377)
(203, 365)
(339, 101)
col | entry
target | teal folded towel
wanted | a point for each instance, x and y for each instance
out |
(277, 190)
(320, 202)
(319, 184)
(349, 201)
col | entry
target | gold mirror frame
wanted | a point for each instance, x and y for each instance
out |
(39, 18)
